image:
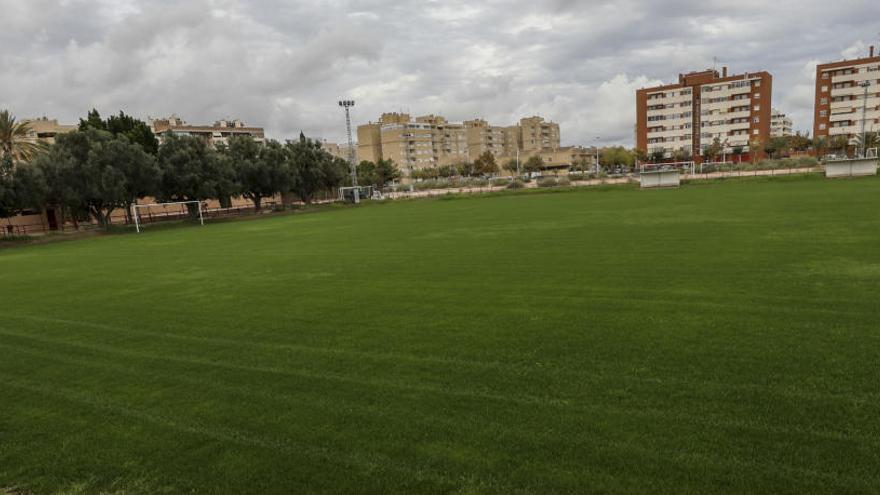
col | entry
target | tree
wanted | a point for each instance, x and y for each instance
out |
(820, 146)
(466, 169)
(738, 151)
(713, 150)
(511, 166)
(485, 164)
(312, 169)
(870, 140)
(95, 172)
(534, 164)
(386, 171)
(14, 139)
(839, 145)
(137, 131)
(191, 171)
(92, 121)
(260, 171)
(656, 156)
(756, 145)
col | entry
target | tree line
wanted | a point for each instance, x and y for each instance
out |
(109, 164)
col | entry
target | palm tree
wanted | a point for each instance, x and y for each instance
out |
(871, 140)
(13, 139)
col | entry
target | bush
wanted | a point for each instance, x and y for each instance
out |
(516, 184)
(563, 181)
(500, 182)
(547, 182)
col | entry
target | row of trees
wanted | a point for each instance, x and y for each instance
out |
(777, 147)
(110, 164)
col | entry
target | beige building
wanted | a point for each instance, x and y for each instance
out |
(338, 150)
(780, 124)
(44, 130)
(218, 133)
(432, 141)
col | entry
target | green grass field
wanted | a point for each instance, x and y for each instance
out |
(715, 338)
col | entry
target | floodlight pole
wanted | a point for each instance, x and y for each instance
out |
(597, 156)
(864, 84)
(518, 176)
(347, 104)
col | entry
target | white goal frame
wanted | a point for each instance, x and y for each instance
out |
(137, 222)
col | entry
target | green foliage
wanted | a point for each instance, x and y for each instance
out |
(485, 164)
(14, 139)
(313, 169)
(192, 171)
(534, 164)
(135, 130)
(547, 182)
(617, 156)
(260, 171)
(380, 173)
(94, 172)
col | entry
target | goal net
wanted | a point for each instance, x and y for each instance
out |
(159, 212)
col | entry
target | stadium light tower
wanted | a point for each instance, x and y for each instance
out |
(347, 104)
(864, 143)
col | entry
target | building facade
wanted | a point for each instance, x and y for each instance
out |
(688, 116)
(847, 98)
(44, 130)
(432, 141)
(216, 134)
(781, 125)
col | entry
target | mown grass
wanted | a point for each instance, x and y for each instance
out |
(720, 338)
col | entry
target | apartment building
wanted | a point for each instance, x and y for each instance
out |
(45, 130)
(431, 140)
(216, 134)
(537, 135)
(781, 125)
(689, 115)
(338, 150)
(847, 98)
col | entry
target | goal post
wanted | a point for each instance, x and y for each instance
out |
(137, 220)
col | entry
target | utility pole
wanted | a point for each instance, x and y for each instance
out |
(347, 104)
(597, 156)
(864, 84)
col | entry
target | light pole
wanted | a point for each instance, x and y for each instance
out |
(347, 104)
(864, 84)
(597, 156)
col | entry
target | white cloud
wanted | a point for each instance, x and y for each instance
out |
(284, 64)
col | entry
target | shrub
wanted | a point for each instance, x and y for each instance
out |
(563, 181)
(547, 182)
(516, 184)
(500, 182)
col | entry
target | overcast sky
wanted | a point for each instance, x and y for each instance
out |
(284, 64)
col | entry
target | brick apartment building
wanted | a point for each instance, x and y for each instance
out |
(687, 116)
(847, 97)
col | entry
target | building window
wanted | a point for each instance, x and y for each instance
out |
(757, 108)
(823, 113)
(757, 96)
(822, 127)
(824, 75)
(823, 101)
(824, 89)
(756, 132)
(757, 120)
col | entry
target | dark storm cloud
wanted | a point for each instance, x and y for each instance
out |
(284, 64)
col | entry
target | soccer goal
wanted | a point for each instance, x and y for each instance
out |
(154, 212)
